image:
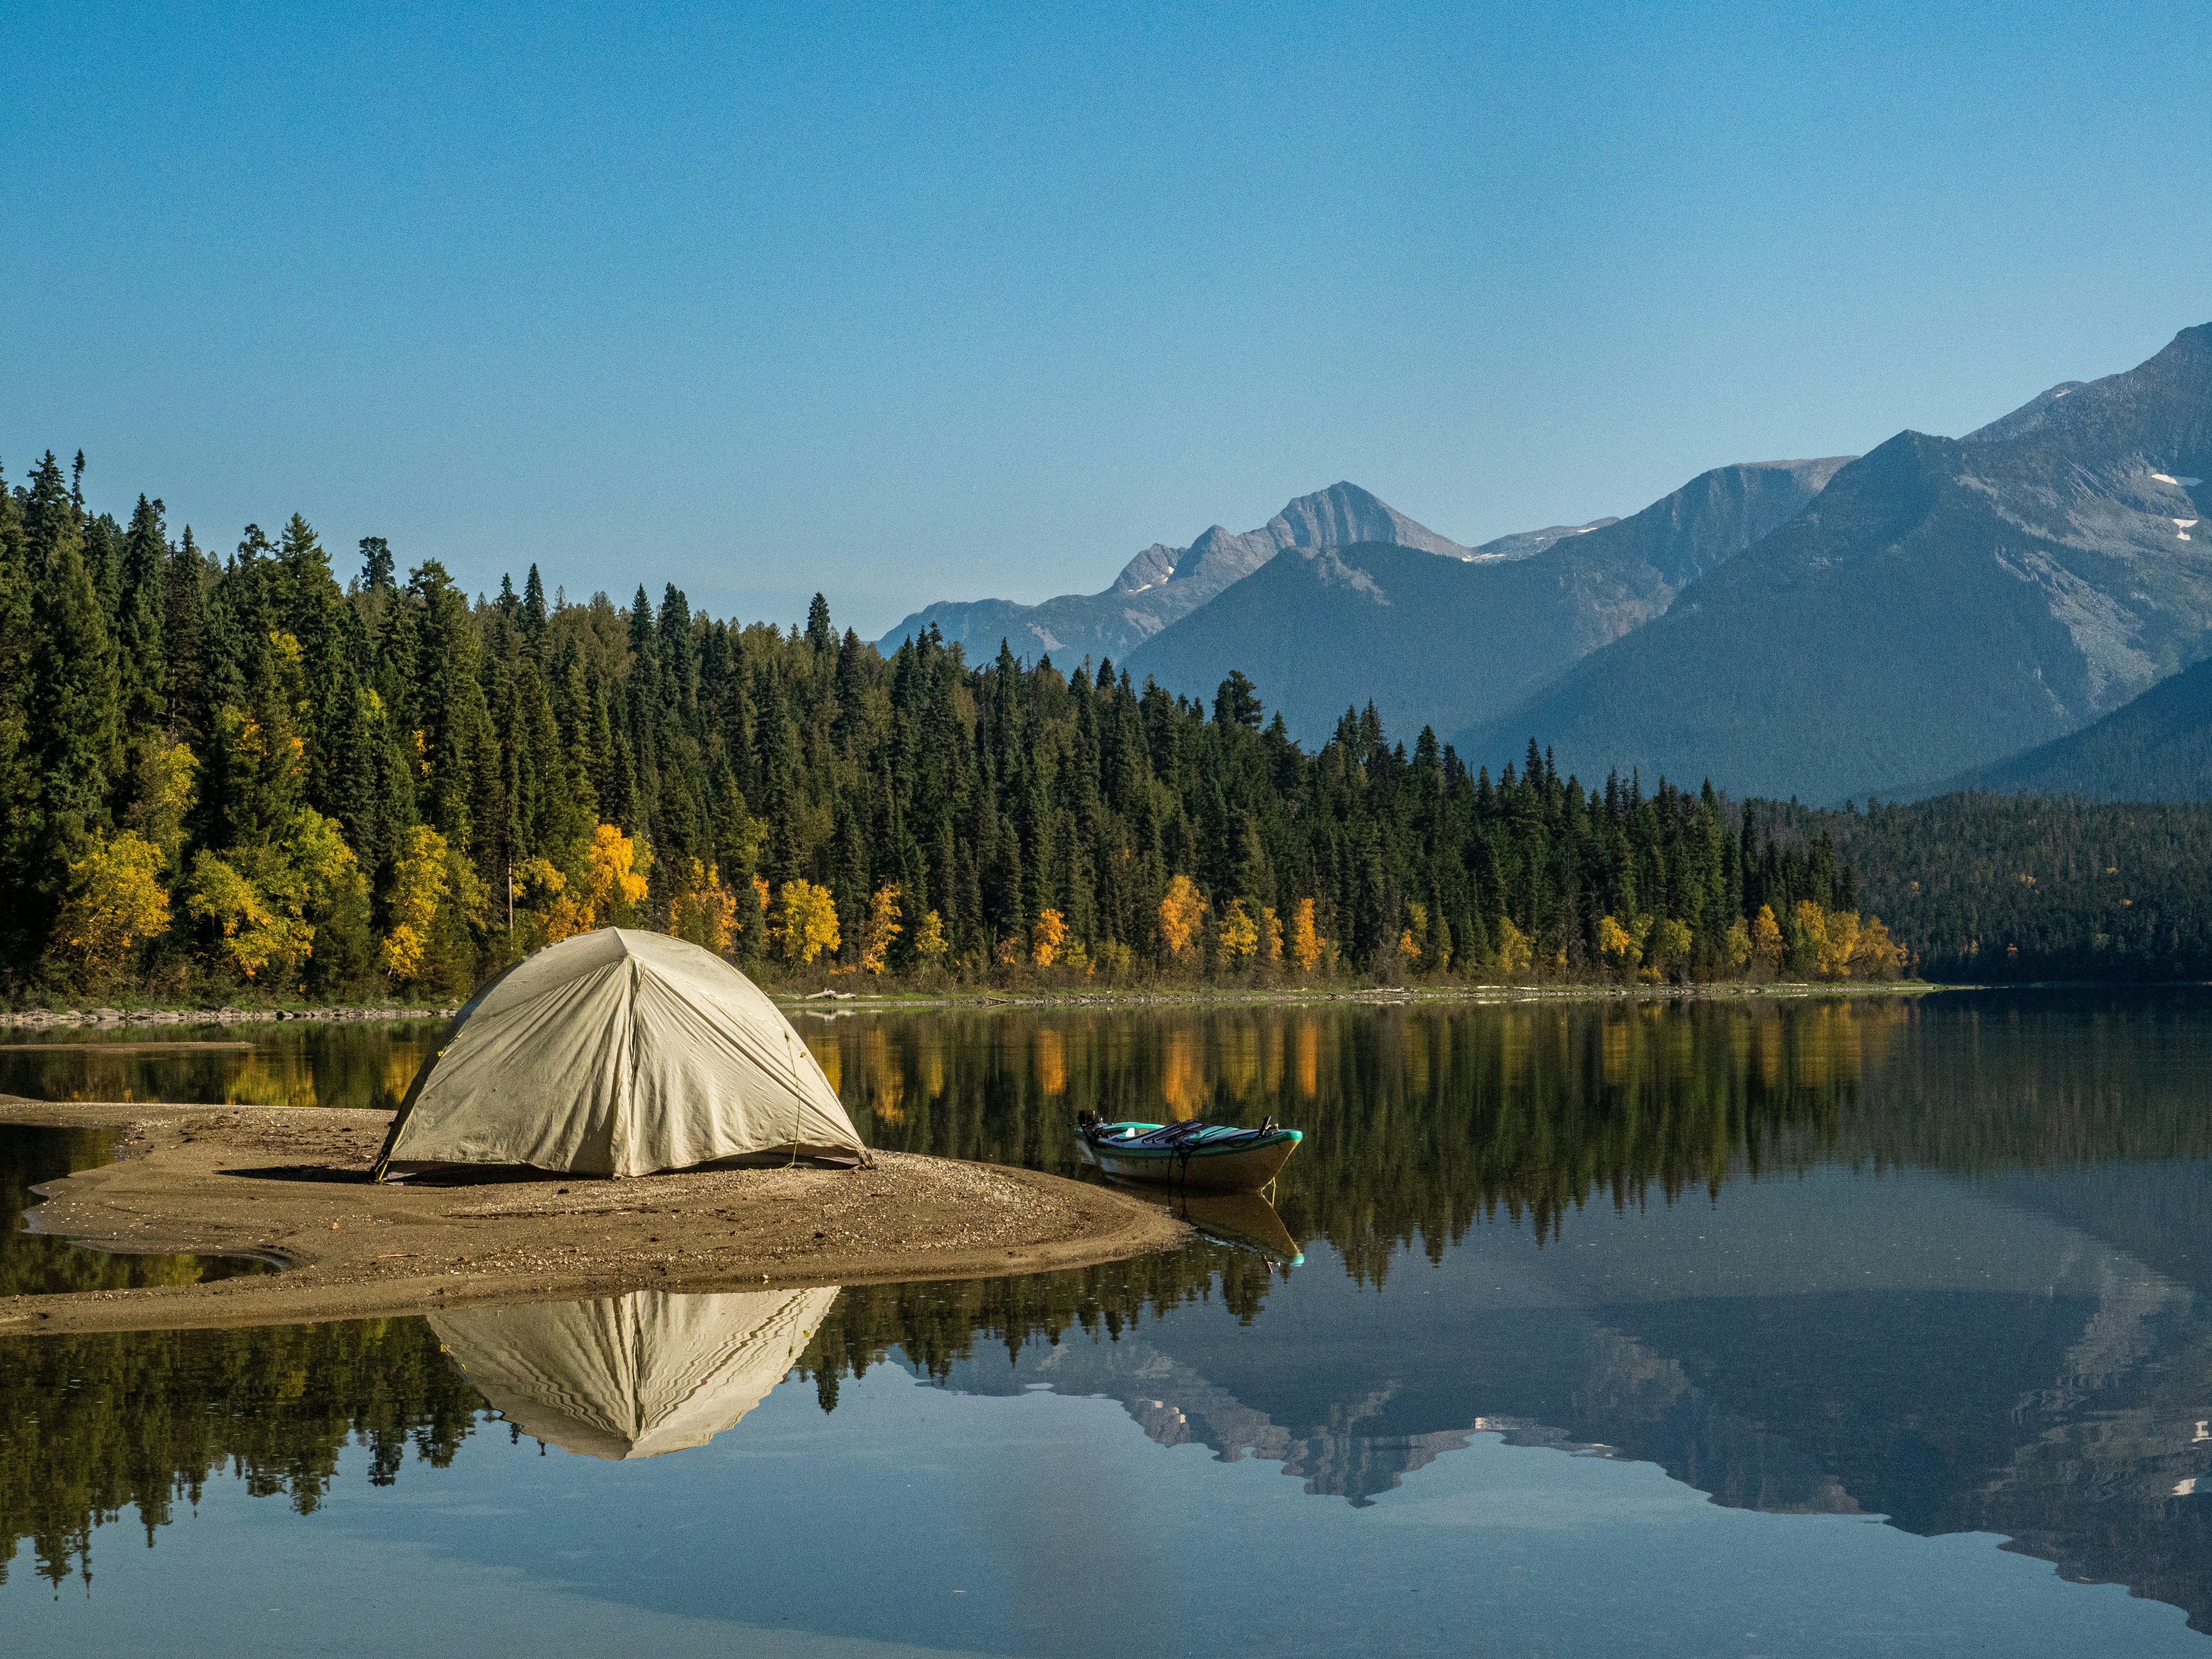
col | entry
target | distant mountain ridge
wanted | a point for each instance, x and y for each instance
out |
(1163, 584)
(1441, 643)
(1944, 602)
(2157, 748)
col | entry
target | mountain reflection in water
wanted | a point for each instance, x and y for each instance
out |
(1944, 1261)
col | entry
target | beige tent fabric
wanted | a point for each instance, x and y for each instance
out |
(617, 1053)
(634, 1376)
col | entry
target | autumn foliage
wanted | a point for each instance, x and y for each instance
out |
(116, 903)
(1181, 909)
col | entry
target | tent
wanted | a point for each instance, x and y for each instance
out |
(634, 1375)
(618, 1052)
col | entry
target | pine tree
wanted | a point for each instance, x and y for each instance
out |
(19, 775)
(141, 612)
(376, 565)
(74, 739)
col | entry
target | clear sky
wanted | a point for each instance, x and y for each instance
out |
(948, 302)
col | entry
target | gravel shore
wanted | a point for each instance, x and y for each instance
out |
(291, 1185)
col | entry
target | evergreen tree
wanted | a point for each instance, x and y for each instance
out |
(76, 710)
(141, 607)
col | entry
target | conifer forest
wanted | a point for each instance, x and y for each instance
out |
(244, 775)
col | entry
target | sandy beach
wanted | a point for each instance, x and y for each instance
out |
(291, 1185)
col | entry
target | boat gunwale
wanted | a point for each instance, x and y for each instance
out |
(1133, 1149)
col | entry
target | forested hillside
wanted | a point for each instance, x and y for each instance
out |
(234, 777)
(2157, 748)
(1986, 887)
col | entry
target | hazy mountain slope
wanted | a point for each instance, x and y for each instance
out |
(1945, 601)
(1164, 583)
(2157, 748)
(1437, 642)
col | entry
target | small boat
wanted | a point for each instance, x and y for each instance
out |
(1213, 1156)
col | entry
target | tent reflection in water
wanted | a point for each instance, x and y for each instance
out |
(619, 1053)
(634, 1376)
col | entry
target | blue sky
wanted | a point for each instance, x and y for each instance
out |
(946, 301)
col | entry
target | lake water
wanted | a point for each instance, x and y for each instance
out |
(1850, 1327)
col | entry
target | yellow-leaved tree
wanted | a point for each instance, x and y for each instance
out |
(706, 912)
(1876, 956)
(260, 897)
(1514, 953)
(1048, 938)
(1766, 938)
(1413, 938)
(116, 903)
(1181, 909)
(1838, 944)
(881, 928)
(421, 877)
(1305, 938)
(1616, 944)
(929, 941)
(249, 933)
(605, 894)
(614, 877)
(540, 885)
(806, 921)
(1811, 922)
(166, 793)
(1238, 935)
(1271, 937)
(1737, 947)
(1671, 942)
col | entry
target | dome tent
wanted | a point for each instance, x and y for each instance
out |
(618, 1052)
(632, 1376)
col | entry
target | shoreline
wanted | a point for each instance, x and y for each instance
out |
(828, 1002)
(290, 1185)
(337, 1013)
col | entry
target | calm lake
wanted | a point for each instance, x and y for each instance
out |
(1814, 1327)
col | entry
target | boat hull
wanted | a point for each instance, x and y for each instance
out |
(1236, 1169)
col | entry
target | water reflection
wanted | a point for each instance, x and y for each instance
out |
(1243, 1219)
(294, 1063)
(92, 1426)
(1944, 1262)
(37, 1264)
(1420, 1119)
(634, 1376)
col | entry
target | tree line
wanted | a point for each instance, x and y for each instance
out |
(239, 775)
(1994, 887)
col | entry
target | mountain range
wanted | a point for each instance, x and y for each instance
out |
(1893, 625)
(1443, 643)
(1165, 584)
(1943, 603)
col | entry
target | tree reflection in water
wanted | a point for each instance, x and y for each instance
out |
(2061, 1419)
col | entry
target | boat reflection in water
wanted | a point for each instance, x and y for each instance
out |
(633, 1376)
(1244, 1221)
